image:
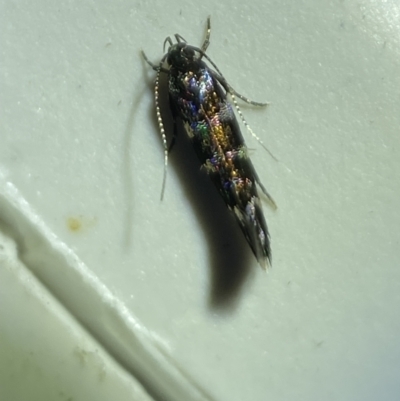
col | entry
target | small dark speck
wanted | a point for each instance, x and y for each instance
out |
(119, 102)
(342, 25)
(108, 44)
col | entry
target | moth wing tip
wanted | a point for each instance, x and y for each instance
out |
(265, 263)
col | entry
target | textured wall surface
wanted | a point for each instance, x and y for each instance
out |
(103, 285)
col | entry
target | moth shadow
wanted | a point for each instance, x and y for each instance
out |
(229, 253)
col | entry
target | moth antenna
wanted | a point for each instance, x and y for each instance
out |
(162, 130)
(153, 66)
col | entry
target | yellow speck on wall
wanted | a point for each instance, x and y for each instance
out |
(74, 223)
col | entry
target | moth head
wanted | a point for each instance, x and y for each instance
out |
(180, 56)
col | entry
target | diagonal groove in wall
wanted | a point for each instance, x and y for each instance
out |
(105, 317)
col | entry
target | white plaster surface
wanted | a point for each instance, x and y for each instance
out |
(163, 300)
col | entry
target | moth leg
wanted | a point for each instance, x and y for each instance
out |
(153, 66)
(179, 38)
(265, 192)
(167, 40)
(221, 79)
(217, 74)
(227, 88)
(253, 134)
(246, 99)
(175, 127)
(174, 135)
(172, 144)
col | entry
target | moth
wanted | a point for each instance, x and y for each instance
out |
(198, 96)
